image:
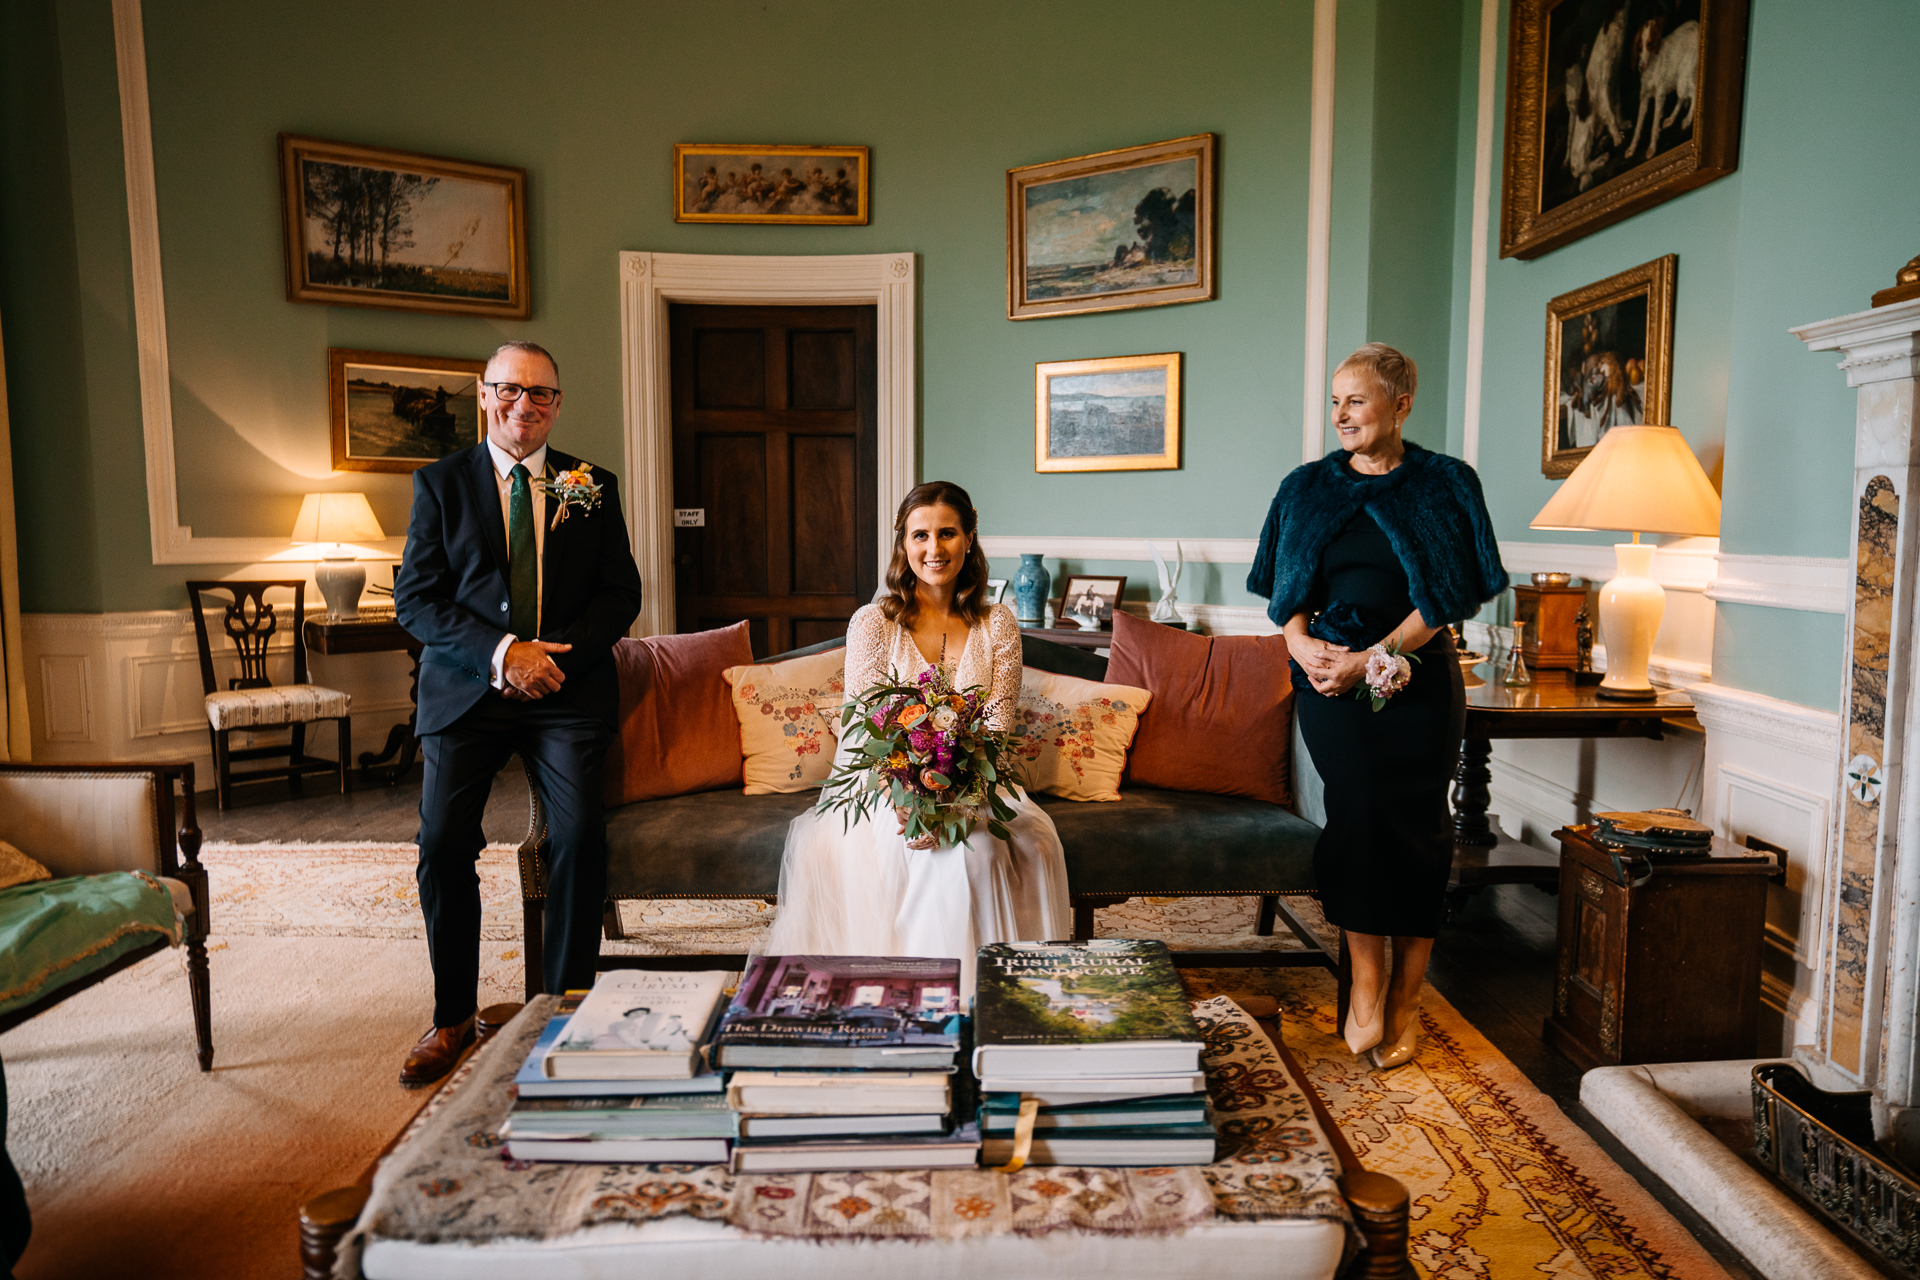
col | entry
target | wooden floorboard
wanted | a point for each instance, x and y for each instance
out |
(266, 811)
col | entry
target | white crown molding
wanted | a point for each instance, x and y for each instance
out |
(1812, 584)
(1482, 221)
(1880, 344)
(649, 281)
(1009, 546)
(171, 541)
(1319, 229)
(1806, 731)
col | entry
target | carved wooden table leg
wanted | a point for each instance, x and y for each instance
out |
(324, 1222)
(1379, 1206)
(401, 741)
(1471, 796)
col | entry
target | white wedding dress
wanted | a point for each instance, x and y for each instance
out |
(857, 889)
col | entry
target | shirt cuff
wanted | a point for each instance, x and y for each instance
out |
(496, 671)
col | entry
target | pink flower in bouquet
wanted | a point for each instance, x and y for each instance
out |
(1387, 673)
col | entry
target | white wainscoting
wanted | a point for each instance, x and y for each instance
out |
(116, 687)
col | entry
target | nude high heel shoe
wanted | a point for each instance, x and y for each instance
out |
(1398, 1054)
(1361, 1035)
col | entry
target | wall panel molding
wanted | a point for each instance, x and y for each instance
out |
(1812, 584)
(1319, 229)
(650, 281)
(1482, 224)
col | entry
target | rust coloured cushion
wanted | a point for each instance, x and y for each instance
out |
(677, 729)
(1221, 720)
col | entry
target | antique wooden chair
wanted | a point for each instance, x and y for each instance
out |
(252, 701)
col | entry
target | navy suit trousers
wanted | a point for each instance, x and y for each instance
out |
(565, 750)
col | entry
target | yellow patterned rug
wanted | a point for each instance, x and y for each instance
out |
(1503, 1183)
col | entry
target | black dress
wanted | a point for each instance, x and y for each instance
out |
(1382, 860)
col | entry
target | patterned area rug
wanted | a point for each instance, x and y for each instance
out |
(1503, 1183)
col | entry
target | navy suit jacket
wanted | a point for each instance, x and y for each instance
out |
(451, 594)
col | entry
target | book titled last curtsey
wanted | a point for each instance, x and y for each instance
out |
(637, 1024)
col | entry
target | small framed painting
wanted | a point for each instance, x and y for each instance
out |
(1609, 361)
(799, 185)
(1087, 598)
(1120, 413)
(1107, 232)
(369, 227)
(1614, 106)
(398, 413)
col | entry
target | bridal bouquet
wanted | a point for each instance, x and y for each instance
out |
(923, 748)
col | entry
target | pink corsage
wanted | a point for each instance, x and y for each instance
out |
(1388, 671)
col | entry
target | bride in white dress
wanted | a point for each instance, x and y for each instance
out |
(861, 888)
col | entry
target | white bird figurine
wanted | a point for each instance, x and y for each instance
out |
(1163, 608)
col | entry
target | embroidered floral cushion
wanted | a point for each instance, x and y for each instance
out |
(1222, 718)
(789, 715)
(1071, 736)
(677, 731)
(17, 867)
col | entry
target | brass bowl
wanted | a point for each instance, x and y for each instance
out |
(1552, 579)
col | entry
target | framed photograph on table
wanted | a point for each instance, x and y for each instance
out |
(370, 227)
(1614, 106)
(1118, 413)
(1609, 361)
(811, 186)
(1092, 597)
(1107, 232)
(397, 413)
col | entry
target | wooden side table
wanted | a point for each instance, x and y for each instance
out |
(376, 633)
(1667, 970)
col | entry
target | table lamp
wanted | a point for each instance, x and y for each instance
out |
(1643, 480)
(332, 520)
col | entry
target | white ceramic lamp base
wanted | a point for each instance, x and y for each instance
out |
(341, 582)
(1631, 605)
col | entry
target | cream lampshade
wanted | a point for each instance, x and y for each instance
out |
(332, 520)
(1643, 480)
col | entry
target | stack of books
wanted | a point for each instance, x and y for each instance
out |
(847, 1062)
(617, 1075)
(1098, 1039)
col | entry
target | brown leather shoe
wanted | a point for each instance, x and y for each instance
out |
(435, 1053)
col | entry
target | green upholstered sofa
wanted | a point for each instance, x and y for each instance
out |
(126, 857)
(1149, 843)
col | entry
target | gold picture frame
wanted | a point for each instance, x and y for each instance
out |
(1584, 80)
(725, 182)
(1158, 201)
(1595, 338)
(396, 413)
(1116, 413)
(374, 227)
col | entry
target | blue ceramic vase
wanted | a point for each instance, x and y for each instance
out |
(1030, 585)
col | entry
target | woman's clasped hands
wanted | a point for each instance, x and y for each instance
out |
(1332, 669)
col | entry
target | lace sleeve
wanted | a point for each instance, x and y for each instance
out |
(867, 642)
(1003, 633)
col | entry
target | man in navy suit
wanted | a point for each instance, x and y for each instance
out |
(518, 594)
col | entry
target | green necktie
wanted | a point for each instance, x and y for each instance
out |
(523, 565)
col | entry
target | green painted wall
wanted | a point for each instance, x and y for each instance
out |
(589, 100)
(1814, 220)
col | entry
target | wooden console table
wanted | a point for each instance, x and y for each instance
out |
(1553, 706)
(376, 634)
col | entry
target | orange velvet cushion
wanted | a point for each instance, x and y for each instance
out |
(677, 729)
(1221, 720)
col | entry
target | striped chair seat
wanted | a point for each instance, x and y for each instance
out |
(281, 704)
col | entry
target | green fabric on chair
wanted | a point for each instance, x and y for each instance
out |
(1168, 843)
(713, 844)
(53, 932)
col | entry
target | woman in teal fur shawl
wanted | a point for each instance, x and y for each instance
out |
(1366, 557)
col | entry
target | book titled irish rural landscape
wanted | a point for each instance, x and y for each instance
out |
(1108, 1006)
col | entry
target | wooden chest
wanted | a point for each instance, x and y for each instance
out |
(1550, 614)
(1663, 971)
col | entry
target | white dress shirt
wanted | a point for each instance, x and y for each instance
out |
(536, 465)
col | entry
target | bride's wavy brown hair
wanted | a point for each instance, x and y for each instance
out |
(901, 604)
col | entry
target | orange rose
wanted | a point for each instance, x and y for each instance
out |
(910, 716)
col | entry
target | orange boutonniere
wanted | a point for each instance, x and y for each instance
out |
(571, 490)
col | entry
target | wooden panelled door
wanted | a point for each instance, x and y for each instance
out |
(775, 467)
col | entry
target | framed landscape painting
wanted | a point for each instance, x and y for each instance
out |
(1107, 232)
(1609, 361)
(1614, 106)
(1121, 413)
(368, 227)
(798, 185)
(397, 413)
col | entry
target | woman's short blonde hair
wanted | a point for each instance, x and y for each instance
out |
(1392, 372)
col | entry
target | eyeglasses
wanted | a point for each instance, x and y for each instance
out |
(511, 391)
